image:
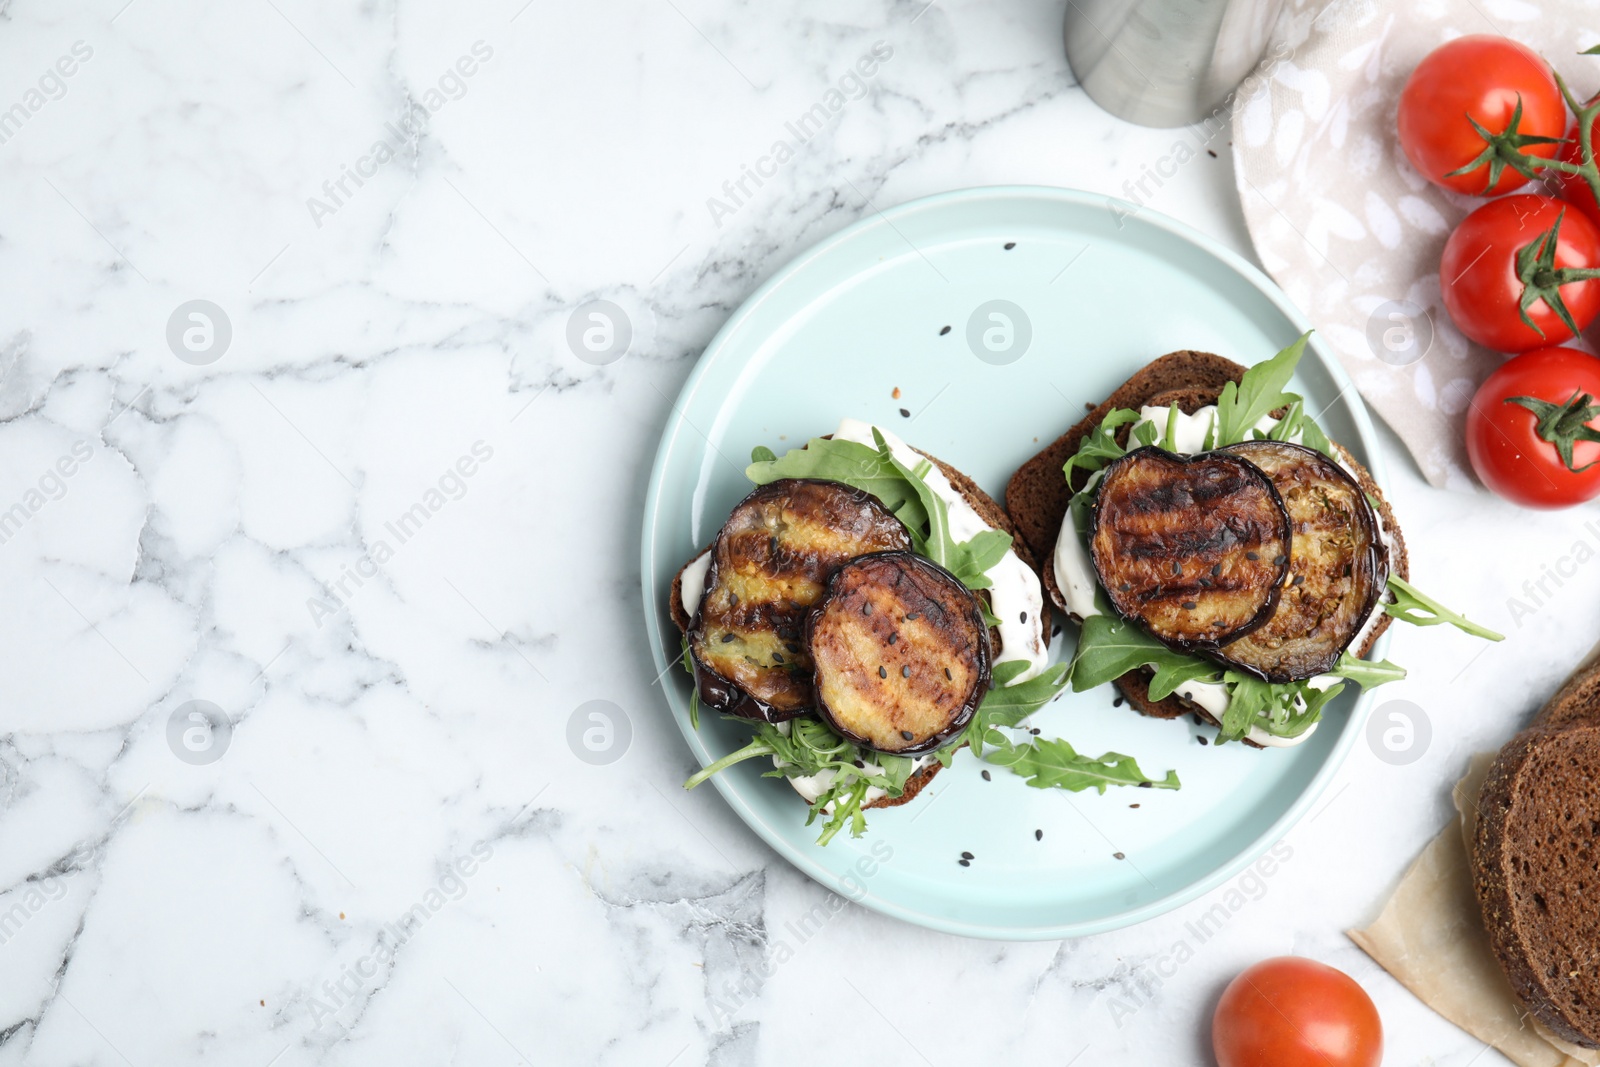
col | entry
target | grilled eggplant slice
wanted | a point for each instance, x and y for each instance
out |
(1193, 548)
(1337, 566)
(770, 563)
(901, 652)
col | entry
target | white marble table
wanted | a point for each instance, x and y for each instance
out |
(242, 527)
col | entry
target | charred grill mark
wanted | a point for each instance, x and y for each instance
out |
(770, 564)
(1194, 549)
(909, 675)
(1338, 566)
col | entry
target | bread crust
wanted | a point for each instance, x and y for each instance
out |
(1533, 863)
(1037, 495)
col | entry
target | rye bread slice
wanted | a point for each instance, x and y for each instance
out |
(1037, 495)
(1576, 701)
(1536, 870)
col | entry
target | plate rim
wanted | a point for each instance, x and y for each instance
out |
(1249, 272)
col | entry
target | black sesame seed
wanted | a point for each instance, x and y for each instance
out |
(777, 658)
(1010, 245)
(1147, 785)
(1133, 805)
(1118, 856)
(1055, 631)
(792, 647)
(1211, 153)
(866, 609)
(904, 413)
(1038, 835)
(727, 637)
(1190, 605)
(986, 777)
(773, 545)
(1198, 721)
(1299, 579)
(906, 735)
(905, 672)
(860, 764)
(1280, 561)
(1126, 586)
(944, 331)
(1024, 616)
(1252, 555)
(1216, 569)
(968, 856)
(893, 638)
(1202, 740)
(965, 863)
(882, 673)
(1177, 568)
(1117, 703)
(733, 598)
(914, 616)
(947, 676)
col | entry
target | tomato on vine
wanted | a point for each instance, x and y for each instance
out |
(1521, 272)
(1474, 108)
(1533, 429)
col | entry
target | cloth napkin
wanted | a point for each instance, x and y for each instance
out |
(1344, 224)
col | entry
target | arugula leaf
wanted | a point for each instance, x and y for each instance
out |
(762, 454)
(1311, 436)
(1413, 606)
(1365, 673)
(1145, 433)
(1006, 705)
(1169, 441)
(1258, 394)
(1100, 446)
(1170, 676)
(694, 688)
(1055, 764)
(855, 465)
(1109, 647)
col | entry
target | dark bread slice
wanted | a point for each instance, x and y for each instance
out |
(914, 785)
(1536, 869)
(1576, 701)
(1037, 494)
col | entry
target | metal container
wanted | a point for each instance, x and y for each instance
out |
(1166, 62)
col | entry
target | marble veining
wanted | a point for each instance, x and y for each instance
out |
(387, 851)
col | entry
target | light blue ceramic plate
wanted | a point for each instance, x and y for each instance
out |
(835, 333)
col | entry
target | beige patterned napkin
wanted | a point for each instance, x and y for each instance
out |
(1344, 224)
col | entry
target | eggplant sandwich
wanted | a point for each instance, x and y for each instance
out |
(869, 611)
(1221, 555)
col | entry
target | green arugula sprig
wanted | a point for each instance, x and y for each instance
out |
(1412, 605)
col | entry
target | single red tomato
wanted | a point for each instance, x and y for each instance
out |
(1477, 78)
(1574, 189)
(1533, 430)
(1293, 1010)
(1521, 272)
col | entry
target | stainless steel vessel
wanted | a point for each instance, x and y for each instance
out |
(1166, 62)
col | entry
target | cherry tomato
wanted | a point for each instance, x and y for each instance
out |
(1573, 187)
(1483, 285)
(1481, 76)
(1296, 1011)
(1524, 415)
